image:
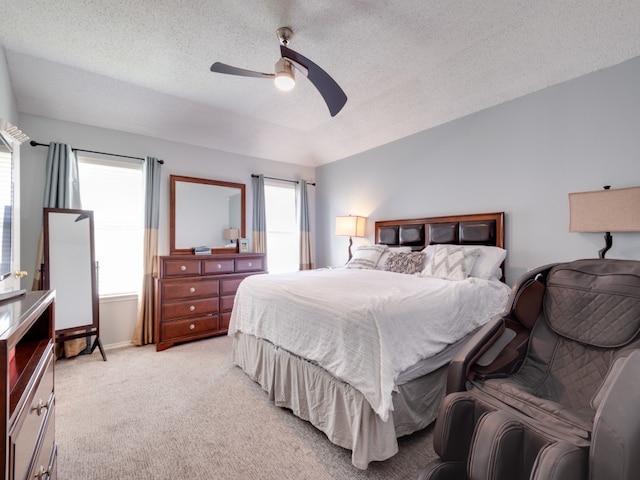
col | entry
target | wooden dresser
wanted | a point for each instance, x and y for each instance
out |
(28, 398)
(194, 294)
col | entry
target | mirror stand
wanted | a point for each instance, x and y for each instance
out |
(70, 268)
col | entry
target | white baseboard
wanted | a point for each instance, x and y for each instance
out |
(117, 345)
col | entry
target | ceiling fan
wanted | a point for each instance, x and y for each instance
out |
(284, 76)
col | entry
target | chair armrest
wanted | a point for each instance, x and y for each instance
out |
(460, 366)
(471, 351)
(616, 428)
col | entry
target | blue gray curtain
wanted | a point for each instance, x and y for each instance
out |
(61, 190)
(259, 215)
(306, 253)
(143, 333)
(62, 184)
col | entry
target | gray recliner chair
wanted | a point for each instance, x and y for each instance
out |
(550, 389)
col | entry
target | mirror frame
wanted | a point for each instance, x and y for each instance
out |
(92, 274)
(172, 210)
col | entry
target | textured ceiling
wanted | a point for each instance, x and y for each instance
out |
(142, 66)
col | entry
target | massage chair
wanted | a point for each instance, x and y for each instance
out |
(550, 389)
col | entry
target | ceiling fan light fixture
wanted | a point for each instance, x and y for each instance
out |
(284, 78)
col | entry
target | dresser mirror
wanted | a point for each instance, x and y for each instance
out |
(200, 212)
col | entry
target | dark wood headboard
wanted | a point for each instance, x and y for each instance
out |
(417, 233)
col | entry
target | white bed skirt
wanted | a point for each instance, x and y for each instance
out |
(335, 407)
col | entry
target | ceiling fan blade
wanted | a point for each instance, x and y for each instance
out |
(333, 95)
(241, 72)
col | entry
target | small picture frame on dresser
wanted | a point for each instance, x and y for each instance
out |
(243, 245)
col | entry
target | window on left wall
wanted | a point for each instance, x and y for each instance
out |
(114, 190)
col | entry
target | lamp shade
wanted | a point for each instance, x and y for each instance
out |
(284, 78)
(231, 233)
(605, 211)
(350, 226)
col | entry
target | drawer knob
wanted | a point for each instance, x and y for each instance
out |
(192, 289)
(40, 407)
(192, 326)
(192, 308)
(183, 268)
(249, 264)
(218, 266)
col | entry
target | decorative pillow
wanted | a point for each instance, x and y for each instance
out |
(487, 264)
(453, 262)
(366, 256)
(429, 250)
(383, 259)
(409, 263)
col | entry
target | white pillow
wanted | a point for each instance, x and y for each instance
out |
(487, 264)
(385, 256)
(429, 250)
(366, 256)
(453, 262)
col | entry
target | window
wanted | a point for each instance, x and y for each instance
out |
(282, 229)
(113, 189)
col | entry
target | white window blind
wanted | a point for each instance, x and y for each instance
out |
(113, 189)
(282, 230)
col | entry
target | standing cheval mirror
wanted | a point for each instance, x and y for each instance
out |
(71, 270)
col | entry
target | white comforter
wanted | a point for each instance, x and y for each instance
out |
(364, 326)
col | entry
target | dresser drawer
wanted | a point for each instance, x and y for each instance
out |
(181, 267)
(225, 265)
(251, 264)
(228, 286)
(226, 303)
(225, 318)
(24, 437)
(189, 327)
(175, 290)
(45, 463)
(190, 308)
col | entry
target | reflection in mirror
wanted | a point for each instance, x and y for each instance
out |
(6, 208)
(202, 210)
(70, 268)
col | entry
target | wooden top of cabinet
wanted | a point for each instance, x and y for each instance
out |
(18, 314)
(173, 266)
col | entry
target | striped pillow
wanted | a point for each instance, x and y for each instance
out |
(366, 256)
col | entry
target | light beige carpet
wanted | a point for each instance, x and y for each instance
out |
(189, 413)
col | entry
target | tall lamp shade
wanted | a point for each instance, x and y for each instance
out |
(350, 226)
(605, 211)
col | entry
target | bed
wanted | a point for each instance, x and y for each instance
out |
(361, 352)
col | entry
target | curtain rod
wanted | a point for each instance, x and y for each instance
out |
(313, 184)
(33, 143)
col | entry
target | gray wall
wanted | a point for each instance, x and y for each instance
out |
(522, 157)
(8, 109)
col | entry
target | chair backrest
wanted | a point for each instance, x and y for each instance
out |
(591, 312)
